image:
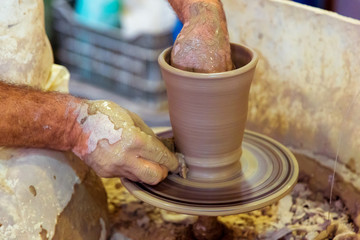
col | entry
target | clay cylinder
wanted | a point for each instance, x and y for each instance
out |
(208, 114)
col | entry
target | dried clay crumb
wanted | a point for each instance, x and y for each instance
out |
(183, 170)
(32, 190)
(303, 214)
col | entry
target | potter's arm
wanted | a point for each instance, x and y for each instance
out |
(110, 139)
(182, 7)
(37, 119)
(203, 44)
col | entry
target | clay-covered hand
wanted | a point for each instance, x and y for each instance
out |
(203, 43)
(117, 143)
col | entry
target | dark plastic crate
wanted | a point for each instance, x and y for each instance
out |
(106, 59)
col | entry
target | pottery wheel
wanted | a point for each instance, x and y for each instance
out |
(268, 172)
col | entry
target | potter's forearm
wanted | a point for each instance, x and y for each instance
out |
(110, 139)
(31, 118)
(203, 43)
(183, 7)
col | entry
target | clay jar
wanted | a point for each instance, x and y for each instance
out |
(208, 114)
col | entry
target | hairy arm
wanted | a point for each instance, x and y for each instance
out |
(33, 118)
(113, 141)
(183, 7)
(203, 43)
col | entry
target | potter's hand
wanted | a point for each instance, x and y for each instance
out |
(203, 43)
(117, 143)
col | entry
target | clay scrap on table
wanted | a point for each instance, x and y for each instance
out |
(306, 89)
(303, 214)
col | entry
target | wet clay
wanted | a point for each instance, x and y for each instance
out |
(94, 114)
(77, 227)
(208, 114)
(116, 114)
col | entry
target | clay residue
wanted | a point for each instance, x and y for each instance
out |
(116, 114)
(100, 120)
(43, 233)
(178, 218)
(303, 214)
(32, 189)
(30, 204)
(26, 56)
(337, 231)
(346, 184)
(170, 144)
(71, 223)
(183, 169)
(306, 78)
(4, 187)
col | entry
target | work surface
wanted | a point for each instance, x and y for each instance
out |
(302, 213)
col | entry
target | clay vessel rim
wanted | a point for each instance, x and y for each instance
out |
(166, 66)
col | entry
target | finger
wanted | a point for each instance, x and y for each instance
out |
(138, 122)
(140, 144)
(154, 150)
(148, 172)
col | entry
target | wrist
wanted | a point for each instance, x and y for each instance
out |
(194, 8)
(78, 136)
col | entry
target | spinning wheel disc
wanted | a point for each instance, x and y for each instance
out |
(268, 172)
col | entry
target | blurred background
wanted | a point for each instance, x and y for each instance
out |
(111, 47)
